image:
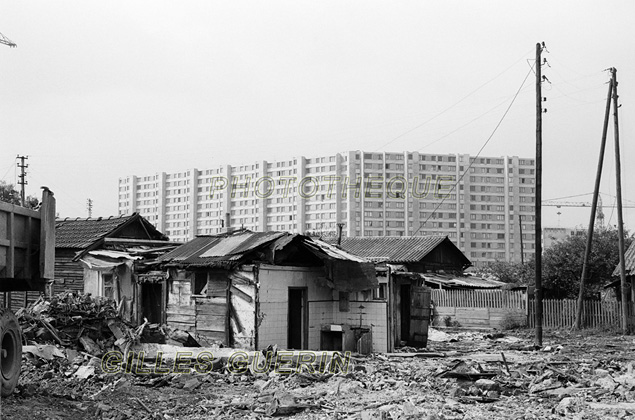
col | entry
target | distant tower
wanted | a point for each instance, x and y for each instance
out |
(599, 218)
(89, 207)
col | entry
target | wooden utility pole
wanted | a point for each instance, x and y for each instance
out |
(594, 205)
(620, 222)
(22, 177)
(522, 245)
(538, 208)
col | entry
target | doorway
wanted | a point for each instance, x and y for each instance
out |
(151, 302)
(297, 320)
(404, 297)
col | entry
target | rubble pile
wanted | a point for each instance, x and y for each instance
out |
(462, 375)
(72, 320)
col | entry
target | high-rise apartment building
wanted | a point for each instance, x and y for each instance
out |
(485, 204)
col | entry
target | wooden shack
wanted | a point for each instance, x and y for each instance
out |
(255, 289)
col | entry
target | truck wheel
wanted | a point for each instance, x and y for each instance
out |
(11, 354)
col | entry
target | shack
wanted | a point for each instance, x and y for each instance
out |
(256, 289)
(613, 290)
(103, 256)
(401, 263)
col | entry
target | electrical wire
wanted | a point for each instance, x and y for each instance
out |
(478, 154)
(8, 169)
(568, 196)
(451, 106)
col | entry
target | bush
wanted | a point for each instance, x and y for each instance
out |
(511, 322)
(449, 322)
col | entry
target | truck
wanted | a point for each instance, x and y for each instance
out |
(27, 263)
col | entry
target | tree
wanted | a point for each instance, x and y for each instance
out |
(8, 194)
(509, 272)
(562, 264)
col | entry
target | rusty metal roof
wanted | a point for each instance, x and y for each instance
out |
(461, 282)
(219, 250)
(82, 233)
(397, 249)
(347, 272)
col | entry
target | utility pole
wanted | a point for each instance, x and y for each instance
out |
(594, 204)
(22, 177)
(89, 207)
(620, 222)
(538, 208)
(522, 245)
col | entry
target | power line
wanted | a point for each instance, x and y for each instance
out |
(451, 106)
(478, 154)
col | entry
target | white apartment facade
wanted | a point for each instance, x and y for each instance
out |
(367, 193)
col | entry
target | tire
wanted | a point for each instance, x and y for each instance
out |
(11, 355)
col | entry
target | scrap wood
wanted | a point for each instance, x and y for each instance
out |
(50, 329)
(468, 375)
(417, 354)
(612, 406)
(565, 375)
(143, 405)
(234, 316)
(505, 361)
(379, 404)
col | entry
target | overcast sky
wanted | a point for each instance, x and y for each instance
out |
(100, 90)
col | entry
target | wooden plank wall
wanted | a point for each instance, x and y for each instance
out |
(242, 293)
(211, 318)
(479, 308)
(69, 275)
(479, 298)
(180, 311)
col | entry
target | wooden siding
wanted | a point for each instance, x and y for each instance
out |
(69, 274)
(479, 308)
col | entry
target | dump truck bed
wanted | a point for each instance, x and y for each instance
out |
(27, 245)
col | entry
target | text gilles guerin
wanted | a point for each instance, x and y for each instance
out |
(239, 362)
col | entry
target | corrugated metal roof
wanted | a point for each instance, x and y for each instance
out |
(448, 280)
(332, 251)
(219, 251)
(629, 261)
(393, 249)
(81, 233)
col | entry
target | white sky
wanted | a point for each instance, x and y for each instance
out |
(99, 90)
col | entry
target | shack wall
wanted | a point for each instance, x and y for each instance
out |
(323, 308)
(69, 274)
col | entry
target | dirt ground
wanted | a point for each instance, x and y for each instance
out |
(474, 375)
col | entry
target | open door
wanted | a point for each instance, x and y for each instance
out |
(151, 302)
(297, 331)
(419, 316)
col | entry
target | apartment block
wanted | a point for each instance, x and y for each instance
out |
(484, 204)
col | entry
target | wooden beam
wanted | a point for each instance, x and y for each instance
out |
(239, 293)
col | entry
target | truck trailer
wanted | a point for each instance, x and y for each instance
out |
(27, 263)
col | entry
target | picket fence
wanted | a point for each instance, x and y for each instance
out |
(479, 298)
(464, 305)
(560, 313)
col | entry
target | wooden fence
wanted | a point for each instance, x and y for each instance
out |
(479, 298)
(479, 308)
(595, 313)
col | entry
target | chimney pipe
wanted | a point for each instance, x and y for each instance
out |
(340, 226)
(228, 227)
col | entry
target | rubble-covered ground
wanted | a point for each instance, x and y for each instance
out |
(586, 375)
(461, 375)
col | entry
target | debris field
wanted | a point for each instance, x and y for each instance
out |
(460, 375)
